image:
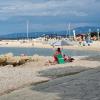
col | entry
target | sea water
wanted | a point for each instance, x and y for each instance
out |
(45, 52)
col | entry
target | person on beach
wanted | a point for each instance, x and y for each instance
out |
(58, 51)
(55, 59)
(66, 58)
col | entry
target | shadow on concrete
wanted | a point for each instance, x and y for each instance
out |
(92, 58)
(81, 86)
(61, 72)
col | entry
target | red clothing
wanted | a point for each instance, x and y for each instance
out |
(55, 55)
(66, 58)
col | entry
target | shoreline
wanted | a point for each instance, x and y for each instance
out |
(39, 44)
(85, 48)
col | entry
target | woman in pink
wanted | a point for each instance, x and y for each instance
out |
(58, 51)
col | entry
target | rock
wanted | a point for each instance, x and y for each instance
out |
(3, 61)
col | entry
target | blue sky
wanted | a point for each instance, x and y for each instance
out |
(47, 15)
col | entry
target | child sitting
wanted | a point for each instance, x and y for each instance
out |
(67, 58)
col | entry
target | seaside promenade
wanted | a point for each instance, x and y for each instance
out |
(78, 80)
(83, 86)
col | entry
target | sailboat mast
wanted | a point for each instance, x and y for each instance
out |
(69, 30)
(27, 29)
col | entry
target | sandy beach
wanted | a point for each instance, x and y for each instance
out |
(42, 44)
(36, 72)
(12, 78)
